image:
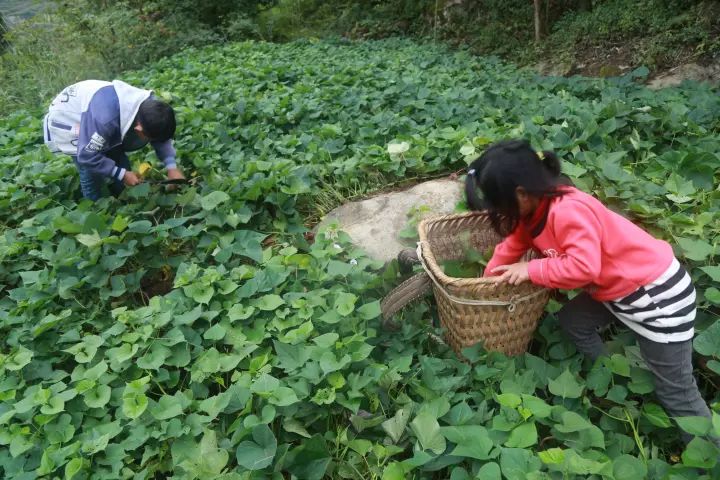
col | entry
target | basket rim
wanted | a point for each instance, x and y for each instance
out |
(431, 260)
(433, 265)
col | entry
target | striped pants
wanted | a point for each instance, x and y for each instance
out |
(91, 184)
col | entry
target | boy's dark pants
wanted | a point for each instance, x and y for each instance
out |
(91, 184)
(671, 363)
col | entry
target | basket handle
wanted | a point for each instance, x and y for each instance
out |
(408, 291)
(511, 304)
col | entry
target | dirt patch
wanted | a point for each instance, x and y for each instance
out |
(156, 282)
(596, 61)
(620, 59)
(604, 61)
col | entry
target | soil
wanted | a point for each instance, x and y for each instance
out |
(620, 58)
(156, 282)
(603, 61)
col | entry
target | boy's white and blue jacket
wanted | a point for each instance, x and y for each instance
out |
(91, 117)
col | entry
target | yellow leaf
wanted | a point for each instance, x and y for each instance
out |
(165, 273)
(144, 168)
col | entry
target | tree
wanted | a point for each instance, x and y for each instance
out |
(584, 5)
(538, 20)
(3, 31)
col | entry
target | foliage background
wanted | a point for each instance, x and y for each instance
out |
(259, 354)
(97, 38)
(201, 334)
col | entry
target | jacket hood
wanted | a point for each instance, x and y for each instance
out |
(130, 99)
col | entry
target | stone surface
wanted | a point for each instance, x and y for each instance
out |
(690, 71)
(554, 69)
(374, 224)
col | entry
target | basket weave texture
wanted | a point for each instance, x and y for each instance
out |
(506, 326)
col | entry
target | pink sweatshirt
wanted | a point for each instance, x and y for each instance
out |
(587, 246)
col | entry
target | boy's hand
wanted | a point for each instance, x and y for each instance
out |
(131, 179)
(175, 174)
(514, 274)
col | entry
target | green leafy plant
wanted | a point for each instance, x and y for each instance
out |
(200, 333)
(415, 215)
(473, 262)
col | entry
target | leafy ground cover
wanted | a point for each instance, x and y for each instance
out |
(202, 334)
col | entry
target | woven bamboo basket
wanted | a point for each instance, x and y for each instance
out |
(501, 316)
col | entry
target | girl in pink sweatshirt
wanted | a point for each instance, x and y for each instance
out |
(626, 274)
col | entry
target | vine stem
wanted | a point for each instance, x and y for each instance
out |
(628, 419)
(636, 435)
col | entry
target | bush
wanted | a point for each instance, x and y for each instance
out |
(94, 39)
(3, 31)
(611, 21)
(657, 31)
(128, 37)
(654, 32)
(240, 26)
(44, 55)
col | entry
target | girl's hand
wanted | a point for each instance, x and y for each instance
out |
(514, 274)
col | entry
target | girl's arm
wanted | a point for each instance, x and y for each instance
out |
(509, 251)
(579, 235)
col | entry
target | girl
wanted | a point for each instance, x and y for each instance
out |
(625, 273)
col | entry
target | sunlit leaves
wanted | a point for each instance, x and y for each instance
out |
(204, 333)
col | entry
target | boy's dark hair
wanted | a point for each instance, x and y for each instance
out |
(157, 119)
(502, 168)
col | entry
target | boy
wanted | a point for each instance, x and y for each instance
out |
(96, 122)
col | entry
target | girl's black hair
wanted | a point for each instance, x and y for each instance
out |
(502, 168)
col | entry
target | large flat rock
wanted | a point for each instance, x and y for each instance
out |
(374, 224)
(690, 71)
